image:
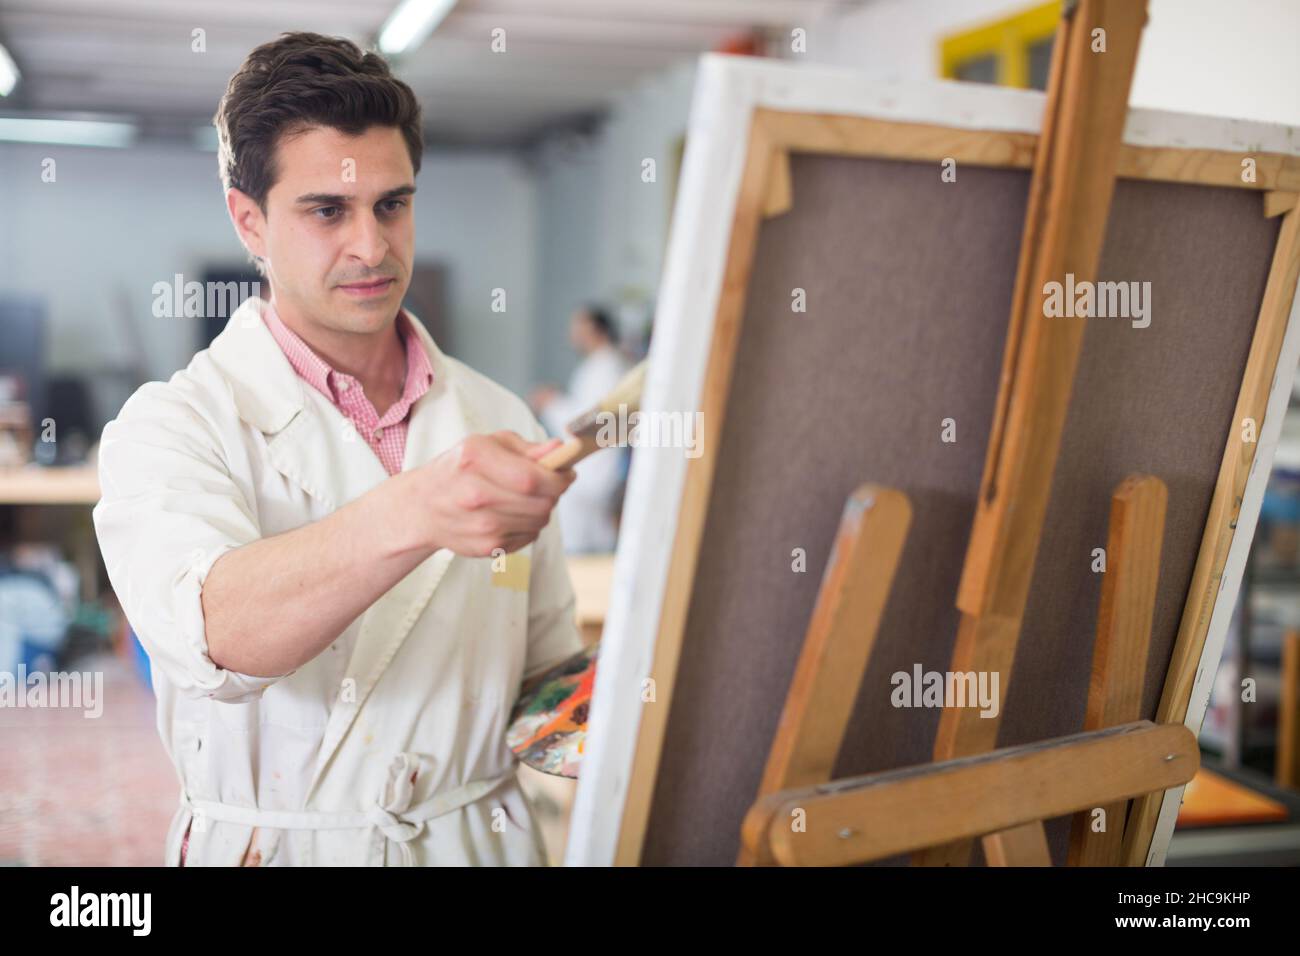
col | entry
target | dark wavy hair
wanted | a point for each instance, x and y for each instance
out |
(299, 81)
(603, 321)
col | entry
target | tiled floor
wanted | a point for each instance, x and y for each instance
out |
(86, 792)
(101, 792)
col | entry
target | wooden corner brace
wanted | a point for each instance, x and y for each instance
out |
(779, 197)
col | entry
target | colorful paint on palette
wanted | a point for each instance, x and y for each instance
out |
(548, 727)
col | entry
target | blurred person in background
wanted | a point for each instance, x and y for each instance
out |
(588, 512)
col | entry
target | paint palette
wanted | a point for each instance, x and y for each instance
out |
(548, 728)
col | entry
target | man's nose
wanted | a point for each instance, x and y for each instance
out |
(366, 241)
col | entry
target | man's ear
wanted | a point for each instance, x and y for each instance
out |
(248, 220)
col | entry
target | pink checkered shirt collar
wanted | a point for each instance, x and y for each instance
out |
(326, 379)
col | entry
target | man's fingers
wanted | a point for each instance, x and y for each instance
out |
(501, 464)
(539, 450)
(512, 440)
(486, 496)
(514, 542)
(536, 450)
(520, 445)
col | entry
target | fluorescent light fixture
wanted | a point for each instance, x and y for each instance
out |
(411, 23)
(67, 132)
(8, 73)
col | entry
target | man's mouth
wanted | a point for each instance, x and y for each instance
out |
(371, 287)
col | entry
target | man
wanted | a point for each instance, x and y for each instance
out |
(588, 513)
(333, 540)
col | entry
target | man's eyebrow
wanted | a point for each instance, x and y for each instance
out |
(342, 199)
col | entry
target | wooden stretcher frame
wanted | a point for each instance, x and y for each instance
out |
(746, 117)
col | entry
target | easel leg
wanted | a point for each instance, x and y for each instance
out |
(1119, 662)
(1024, 845)
(854, 590)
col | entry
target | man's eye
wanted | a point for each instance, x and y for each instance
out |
(392, 205)
(326, 212)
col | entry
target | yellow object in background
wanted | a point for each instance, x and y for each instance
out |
(1009, 51)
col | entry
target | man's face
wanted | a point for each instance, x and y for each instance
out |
(338, 235)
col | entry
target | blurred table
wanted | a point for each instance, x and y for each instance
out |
(32, 486)
(592, 576)
(41, 485)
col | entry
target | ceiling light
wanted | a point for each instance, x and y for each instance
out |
(411, 23)
(8, 73)
(66, 132)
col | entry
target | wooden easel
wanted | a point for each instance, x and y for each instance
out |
(973, 790)
(802, 817)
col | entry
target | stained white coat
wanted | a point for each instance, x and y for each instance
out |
(388, 747)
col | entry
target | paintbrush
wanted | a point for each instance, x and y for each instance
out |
(584, 430)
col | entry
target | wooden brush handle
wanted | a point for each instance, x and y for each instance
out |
(569, 454)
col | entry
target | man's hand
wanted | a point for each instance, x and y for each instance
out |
(488, 492)
(275, 603)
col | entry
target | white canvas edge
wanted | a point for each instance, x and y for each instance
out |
(1226, 601)
(727, 91)
(790, 86)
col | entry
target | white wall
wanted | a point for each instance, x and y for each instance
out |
(1238, 58)
(602, 231)
(646, 123)
(112, 224)
(569, 174)
(1228, 57)
(116, 221)
(477, 213)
